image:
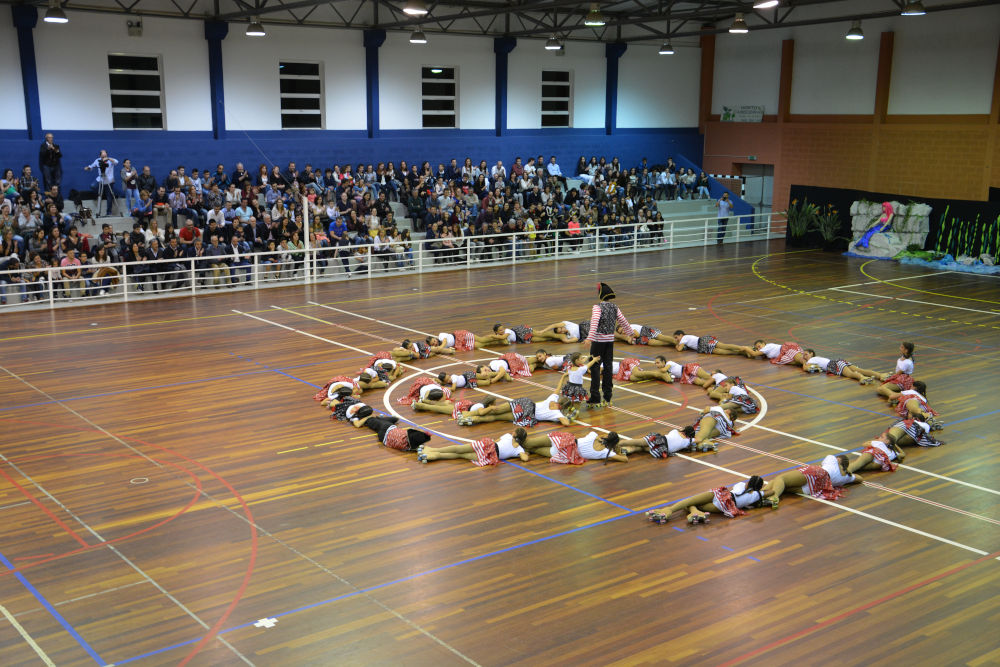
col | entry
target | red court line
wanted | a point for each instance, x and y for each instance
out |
(830, 621)
(29, 496)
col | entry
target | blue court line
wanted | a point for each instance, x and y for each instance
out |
(172, 384)
(965, 419)
(52, 610)
(570, 486)
(819, 398)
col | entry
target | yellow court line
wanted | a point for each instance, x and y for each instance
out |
(375, 298)
(914, 289)
(297, 449)
(332, 442)
(756, 272)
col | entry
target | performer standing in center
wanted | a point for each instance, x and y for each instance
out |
(604, 317)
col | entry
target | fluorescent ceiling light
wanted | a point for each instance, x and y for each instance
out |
(765, 4)
(256, 28)
(415, 8)
(739, 26)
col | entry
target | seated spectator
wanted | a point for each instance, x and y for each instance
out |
(12, 280)
(73, 286)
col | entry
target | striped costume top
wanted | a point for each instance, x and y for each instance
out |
(603, 318)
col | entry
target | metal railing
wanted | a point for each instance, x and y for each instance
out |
(125, 281)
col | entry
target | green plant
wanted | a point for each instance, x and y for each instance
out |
(801, 217)
(827, 223)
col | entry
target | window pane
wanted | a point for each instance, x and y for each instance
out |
(134, 82)
(132, 62)
(300, 86)
(303, 69)
(555, 120)
(300, 103)
(555, 91)
(432, 73)
(555, 106)
(299, 121)
(439, 89)
(439, 121)
(133, 121)
(439, 105)
(139, 101)
(555, 76)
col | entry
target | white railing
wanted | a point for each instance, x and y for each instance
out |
(125, 281)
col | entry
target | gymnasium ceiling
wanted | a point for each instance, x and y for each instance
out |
(627, 21)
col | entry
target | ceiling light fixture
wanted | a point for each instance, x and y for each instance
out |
(256, 28)
(55, 14)
(739, 26)
(553, 44)
(418, 37)
(765, 4)
(667, 49)
(415, 8)
(855, 33)
(913, 8)
(594, 17)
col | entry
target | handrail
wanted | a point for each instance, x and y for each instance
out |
(195, 275)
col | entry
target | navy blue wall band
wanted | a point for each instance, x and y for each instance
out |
(25, 18)
(612, 52)
(502, 46)
(373, 39)
(215, 32)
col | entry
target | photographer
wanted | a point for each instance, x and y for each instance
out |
(105, 178)
(50, 160)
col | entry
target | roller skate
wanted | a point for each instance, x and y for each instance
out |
(657, 517)
(572, 412)
(464, 421)
(812, 369)
(866, 380)
(697, 518)
(935, 424)
(710, 446)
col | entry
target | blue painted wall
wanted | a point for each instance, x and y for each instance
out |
(163, 150)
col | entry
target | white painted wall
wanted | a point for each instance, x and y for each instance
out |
(831, 75)
(250, 75)
(73, 84)
(399, 79)
(524, 83)
(944, 64)
(747, 71)
(658, 91)
(12, 97)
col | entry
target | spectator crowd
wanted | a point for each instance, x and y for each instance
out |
(215, 221)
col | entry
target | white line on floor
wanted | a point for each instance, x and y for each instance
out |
(926, 303)
(24, 634)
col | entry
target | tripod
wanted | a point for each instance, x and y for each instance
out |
(103, 188)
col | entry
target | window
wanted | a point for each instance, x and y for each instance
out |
(301, 96)
(136, 92)
(438, 92)
(557, 91)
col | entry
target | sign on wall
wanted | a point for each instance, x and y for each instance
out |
(746, 113)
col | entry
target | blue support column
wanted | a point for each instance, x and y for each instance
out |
(215, 32)
(373, 39)
(502, 46)
(612, 52)
(25, 18)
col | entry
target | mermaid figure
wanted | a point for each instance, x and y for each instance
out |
(883, 225)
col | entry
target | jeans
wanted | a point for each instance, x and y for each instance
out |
(52, 176)
(723, 223)
(131, 199)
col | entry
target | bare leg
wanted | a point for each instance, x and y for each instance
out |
(706, 431)
(372, 384)
(536, 442)
(663, 376)
(889, 390)
(690, 504)
(793, 480)
(500, 376)
(399, 354)
(632, 445)
(437, 455)
(863, 461)
(717, 393)
(727, 348)
(451, 449)
(424, 406)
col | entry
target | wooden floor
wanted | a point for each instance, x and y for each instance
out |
(171, 494)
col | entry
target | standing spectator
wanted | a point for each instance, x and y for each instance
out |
(130, 183)
(50, 162)
(145, 180)
(725, 207)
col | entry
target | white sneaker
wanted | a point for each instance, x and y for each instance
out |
(103, 292)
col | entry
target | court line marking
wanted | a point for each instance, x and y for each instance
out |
(816, 295)
(747, 424)
(398, 296)
(82, 597)
(914, 289)
(27, 638)
(93, 532)
(782, 296)
(926, 303)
